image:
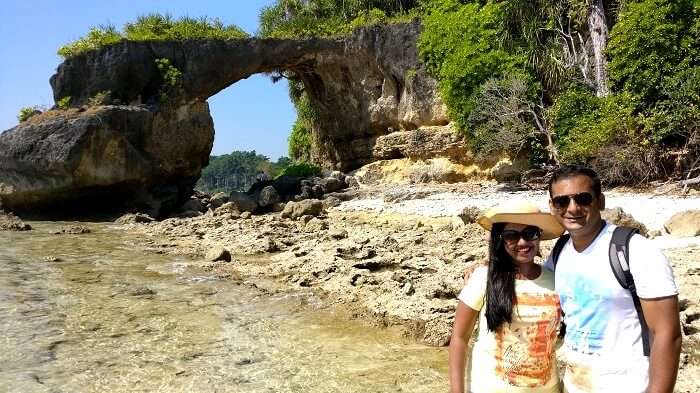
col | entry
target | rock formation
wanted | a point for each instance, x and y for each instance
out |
(104, 157)
(368, 84)
(149, 149)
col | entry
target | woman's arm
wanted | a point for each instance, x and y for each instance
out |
(465, 319)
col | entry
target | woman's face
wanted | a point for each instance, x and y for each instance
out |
(522, 251)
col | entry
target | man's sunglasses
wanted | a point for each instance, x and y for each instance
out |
(528, 234)
(581, 199)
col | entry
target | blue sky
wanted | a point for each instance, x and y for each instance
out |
(253, 114)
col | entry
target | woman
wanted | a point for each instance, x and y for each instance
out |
(517, 308)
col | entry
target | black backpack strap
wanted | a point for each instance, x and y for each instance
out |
(558, 247)
(619, 262)
(556, 251)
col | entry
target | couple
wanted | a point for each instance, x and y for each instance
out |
(519, 306)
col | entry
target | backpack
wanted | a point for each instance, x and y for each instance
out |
(619, 263)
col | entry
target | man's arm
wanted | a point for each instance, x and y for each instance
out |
(662, 317)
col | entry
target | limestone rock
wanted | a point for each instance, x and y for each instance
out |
(134, 218)
(73, 230)
(9, 222)
(685, 223)
(228, 208)
(243, 201)
(218, 199)
(218, 254)
(372, 79)
(295, 210)
(315, 225)
(618, 216)
(423, 143)
(116, 156)
(470, 214)
(188, 214)
(330, 184)
(268, 196)
(330, 202)
(194, 205)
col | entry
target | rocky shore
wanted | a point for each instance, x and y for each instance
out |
(396, 255)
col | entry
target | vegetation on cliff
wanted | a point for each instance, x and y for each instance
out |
(328, 18)
(610, 84)
(153, 27)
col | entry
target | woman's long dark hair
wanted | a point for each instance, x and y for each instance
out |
(500, 286)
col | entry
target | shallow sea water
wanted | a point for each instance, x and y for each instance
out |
(107, 316)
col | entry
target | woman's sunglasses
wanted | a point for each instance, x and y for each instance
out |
(581, 199)
(528, 234)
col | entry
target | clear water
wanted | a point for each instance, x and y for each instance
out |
(110, 317)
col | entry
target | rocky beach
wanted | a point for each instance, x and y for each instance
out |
(394, 255)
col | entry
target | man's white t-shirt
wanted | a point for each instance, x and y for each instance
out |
(603, 342)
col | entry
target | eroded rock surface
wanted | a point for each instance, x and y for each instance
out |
(105, 157)
(369, 84)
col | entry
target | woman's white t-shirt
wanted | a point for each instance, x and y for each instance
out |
(520, 356)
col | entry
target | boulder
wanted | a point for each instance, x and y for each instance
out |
(228, 208)
(268, 196)
(287, 186)
(218, 200)
(134, 218)
(194, 205)
(294, 210)
(330, 202)
(352, 182)
(243, 201)
(619, 217)
(126, 157)
(73, 230)
(470, 214)
(685, 223)
(331, 184)
(218, 254)
(315, 225)
(9, 222)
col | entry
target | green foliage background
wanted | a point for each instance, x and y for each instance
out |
(237, 171)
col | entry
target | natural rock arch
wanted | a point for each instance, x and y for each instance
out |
(146, 152)
(368, 84)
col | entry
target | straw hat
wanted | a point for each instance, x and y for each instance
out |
(519, 212)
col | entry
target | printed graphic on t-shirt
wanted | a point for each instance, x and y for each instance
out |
(586, 317)
(523, 349)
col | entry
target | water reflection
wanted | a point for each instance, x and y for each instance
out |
(95, 313)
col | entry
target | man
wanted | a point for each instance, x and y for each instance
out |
(603, 343)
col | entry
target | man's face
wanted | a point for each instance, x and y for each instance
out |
(577, 218)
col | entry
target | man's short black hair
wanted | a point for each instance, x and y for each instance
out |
(568, 171)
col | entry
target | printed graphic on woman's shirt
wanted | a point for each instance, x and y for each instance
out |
(578, 376)
(586, 317)
(523, 349)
